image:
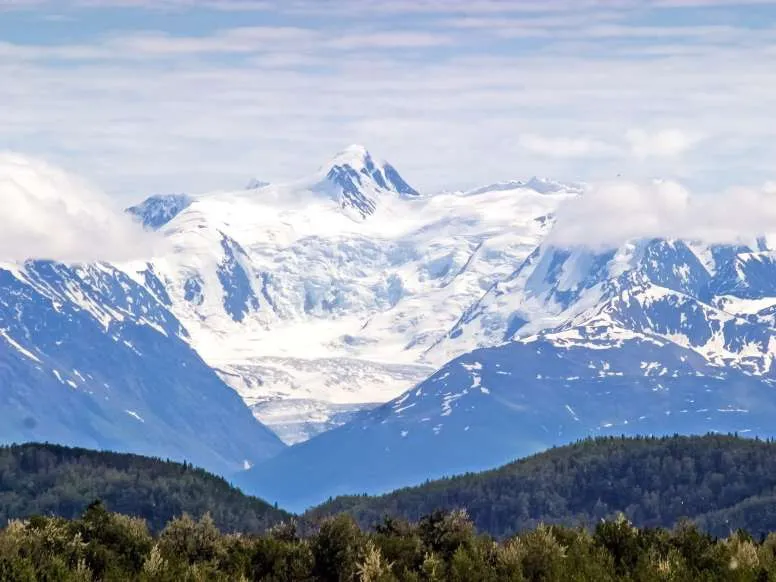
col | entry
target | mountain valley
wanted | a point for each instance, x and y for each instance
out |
(390, 336)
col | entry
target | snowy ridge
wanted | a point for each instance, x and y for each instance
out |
(390, 336)
(291, 273)
(540, 185)
(156, 211)
(656, 287)
(87, 352)
(572, 343)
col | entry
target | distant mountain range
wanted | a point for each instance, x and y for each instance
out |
(390, 336)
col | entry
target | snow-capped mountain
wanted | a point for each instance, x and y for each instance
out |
(402, 336)
(92, 356)
(327, 292)
(356, 182)
(698, 297)
(158, 210)
(656, 337)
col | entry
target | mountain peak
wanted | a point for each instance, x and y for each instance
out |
(358, 180)
(355, 156)
(156, 211)
(548, 186)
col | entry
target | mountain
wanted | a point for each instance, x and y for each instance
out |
(718, 481)
(390, 336)
(156, 211)
(540, 185)
(319, 298)
(43, 479)
(657, 337)
(356, 181)
(91, 355)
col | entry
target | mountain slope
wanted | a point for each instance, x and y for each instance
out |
(327, 291)
(156, 211)
(39, 479)
(574, 343)
(655, 482)
(90, 356)
(493, 405)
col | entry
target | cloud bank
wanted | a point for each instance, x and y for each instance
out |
(611, 214)
(49, 214)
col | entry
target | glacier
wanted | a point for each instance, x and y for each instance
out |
(656, 337)
(390, 336)
(328, 291)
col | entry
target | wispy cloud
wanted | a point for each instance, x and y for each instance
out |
(454, 93)
(662, 143)
(564, 146)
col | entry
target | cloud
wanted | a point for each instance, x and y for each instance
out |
(663, 143)
(49, 214)
(393, 39)
(563, 147)
(193, 106)
(611, 214)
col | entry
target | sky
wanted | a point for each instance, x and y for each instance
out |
(154, 96)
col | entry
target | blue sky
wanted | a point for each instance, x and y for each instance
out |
(146, 96)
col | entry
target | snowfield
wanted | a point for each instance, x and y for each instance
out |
(331, 290)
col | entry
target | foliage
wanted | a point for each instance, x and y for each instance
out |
(721, 482)
(440, 547)
(54, 480)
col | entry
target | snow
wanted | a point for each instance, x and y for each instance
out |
(336, 307)
(16, 345)
(135, 415)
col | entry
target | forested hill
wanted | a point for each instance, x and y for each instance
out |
(723, 482)
(48, 479)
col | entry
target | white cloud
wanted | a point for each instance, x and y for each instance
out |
(49, 214)
(663, 143)
(563, 147)
(611, 214)
(140, 111)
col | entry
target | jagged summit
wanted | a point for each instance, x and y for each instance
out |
(357, 180)
(355, 155)
(156, 211)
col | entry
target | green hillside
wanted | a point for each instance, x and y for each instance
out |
(43, 479)
(723, 482)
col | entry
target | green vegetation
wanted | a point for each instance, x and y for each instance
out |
(47, 479)
(440, 547)
(722, 482)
